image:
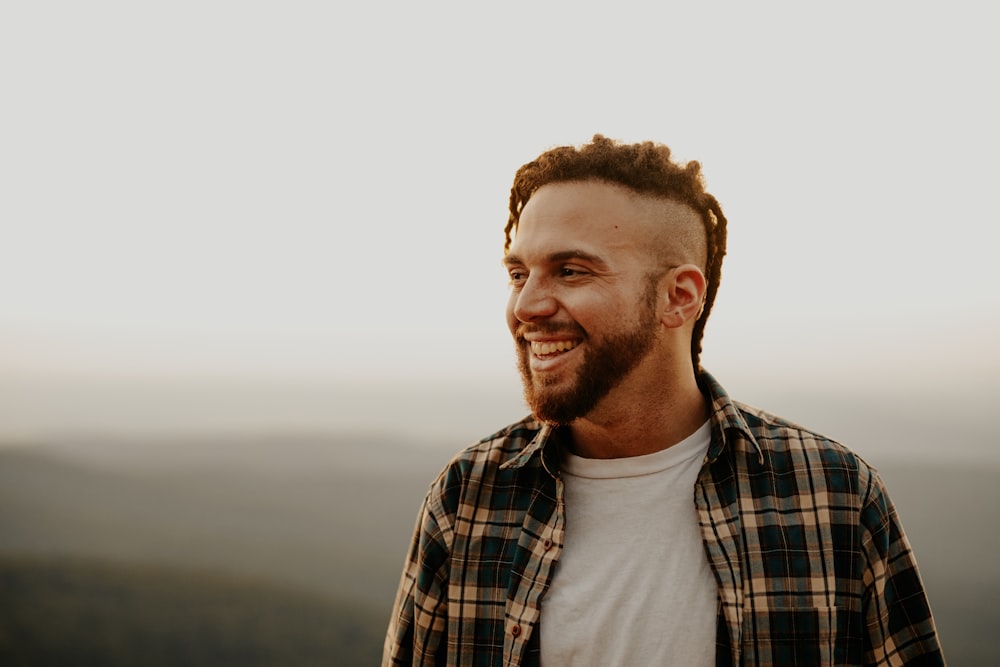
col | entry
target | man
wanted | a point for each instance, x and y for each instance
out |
(640, 516)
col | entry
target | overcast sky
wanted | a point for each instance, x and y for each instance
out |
(308, 194)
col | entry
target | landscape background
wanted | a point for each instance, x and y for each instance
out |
(271, 549)
(251, 298)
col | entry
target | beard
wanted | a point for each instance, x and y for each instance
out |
(606, 362)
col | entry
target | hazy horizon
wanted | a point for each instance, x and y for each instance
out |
(950, 421)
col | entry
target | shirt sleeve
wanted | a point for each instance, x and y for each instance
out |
(899, 625)
(419, 615)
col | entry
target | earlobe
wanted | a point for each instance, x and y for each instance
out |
(683, 295)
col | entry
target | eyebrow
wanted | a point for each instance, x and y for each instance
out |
(561, 256)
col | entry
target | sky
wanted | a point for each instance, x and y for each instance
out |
(291, 214)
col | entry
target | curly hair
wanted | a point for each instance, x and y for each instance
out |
(645, 168)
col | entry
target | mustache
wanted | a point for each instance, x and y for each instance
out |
(548, 328)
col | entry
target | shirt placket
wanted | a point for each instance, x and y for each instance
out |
(539, 546)
(718, 517)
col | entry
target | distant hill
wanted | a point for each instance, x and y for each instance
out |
(60, 612)
(329, 520)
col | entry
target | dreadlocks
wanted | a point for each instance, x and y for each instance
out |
(645, 168)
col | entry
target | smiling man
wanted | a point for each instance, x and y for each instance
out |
(640, 516)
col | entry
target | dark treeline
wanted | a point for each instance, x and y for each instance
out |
(72, 612)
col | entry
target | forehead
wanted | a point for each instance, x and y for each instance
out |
(596, 216)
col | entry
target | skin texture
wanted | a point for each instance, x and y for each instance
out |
(612, 282)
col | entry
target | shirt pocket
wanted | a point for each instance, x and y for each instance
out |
(793, 636)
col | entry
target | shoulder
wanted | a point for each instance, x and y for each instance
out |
(784, 438)
(498, 448)
(487, 462)
(793, 451)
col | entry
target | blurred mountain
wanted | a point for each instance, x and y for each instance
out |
(328, 519)
(66, 611)
(330, 516)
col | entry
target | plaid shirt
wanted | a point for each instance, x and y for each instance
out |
(811, 562)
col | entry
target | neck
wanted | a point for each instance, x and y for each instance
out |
(663, 416)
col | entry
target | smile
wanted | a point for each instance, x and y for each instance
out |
(549, 347)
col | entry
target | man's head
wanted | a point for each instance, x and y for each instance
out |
(645, 168)
(608, 247)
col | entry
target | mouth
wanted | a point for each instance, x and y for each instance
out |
(547, 349)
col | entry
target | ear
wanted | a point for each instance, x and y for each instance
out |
(683, 294)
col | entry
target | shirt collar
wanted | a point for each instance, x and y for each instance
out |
(538, 444)
(724, 415)
(726, 419)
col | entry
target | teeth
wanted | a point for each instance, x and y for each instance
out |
(551, 347)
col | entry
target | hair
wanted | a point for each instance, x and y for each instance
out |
(644, 168)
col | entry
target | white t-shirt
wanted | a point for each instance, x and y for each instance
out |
(632, 586)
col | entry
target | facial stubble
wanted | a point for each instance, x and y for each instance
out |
(607, 361)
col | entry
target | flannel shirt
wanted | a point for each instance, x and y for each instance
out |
(810, 559)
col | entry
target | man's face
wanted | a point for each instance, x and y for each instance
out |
(583, 302)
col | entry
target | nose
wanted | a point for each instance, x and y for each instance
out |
(534, 300)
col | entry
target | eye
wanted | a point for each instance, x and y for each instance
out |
(571, 272)
(517, 276)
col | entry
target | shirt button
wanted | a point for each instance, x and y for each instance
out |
(547, 544)
(515, 631)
